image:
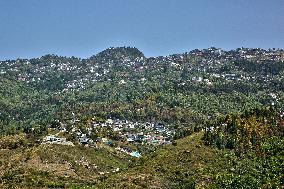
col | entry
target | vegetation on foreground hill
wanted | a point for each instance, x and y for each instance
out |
(194, 162)
(205, 159)
(57, 166)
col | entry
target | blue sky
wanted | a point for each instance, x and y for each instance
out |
(32, 28)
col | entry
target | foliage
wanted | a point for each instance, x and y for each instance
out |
(123, 83)
(256, 138)
(244, 131)
(13, 141)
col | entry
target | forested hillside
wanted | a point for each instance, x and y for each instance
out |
(182, 88)
(202, 119)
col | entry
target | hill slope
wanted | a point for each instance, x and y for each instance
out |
(189, 163)
(58, 166)
(204, 159)
(123, 83)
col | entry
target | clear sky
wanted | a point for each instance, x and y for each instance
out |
(32, 28)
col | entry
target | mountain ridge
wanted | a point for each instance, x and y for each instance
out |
(114, 49)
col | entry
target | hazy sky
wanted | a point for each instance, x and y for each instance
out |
(32, 28)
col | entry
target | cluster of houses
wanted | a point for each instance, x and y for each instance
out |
(53, 139)
(136, 132)
(121, 133)
(255, 54)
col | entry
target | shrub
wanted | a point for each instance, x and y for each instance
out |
(13, 141)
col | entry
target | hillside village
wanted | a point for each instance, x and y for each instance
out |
(179, 89)
(120, 134)
(119, 119)
(85, 72)
(154, 94)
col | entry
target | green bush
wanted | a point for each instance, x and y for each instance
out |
(55, 185)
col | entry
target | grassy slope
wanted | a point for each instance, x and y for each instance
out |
(189, 164)
(178, 166)
(55, 166)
